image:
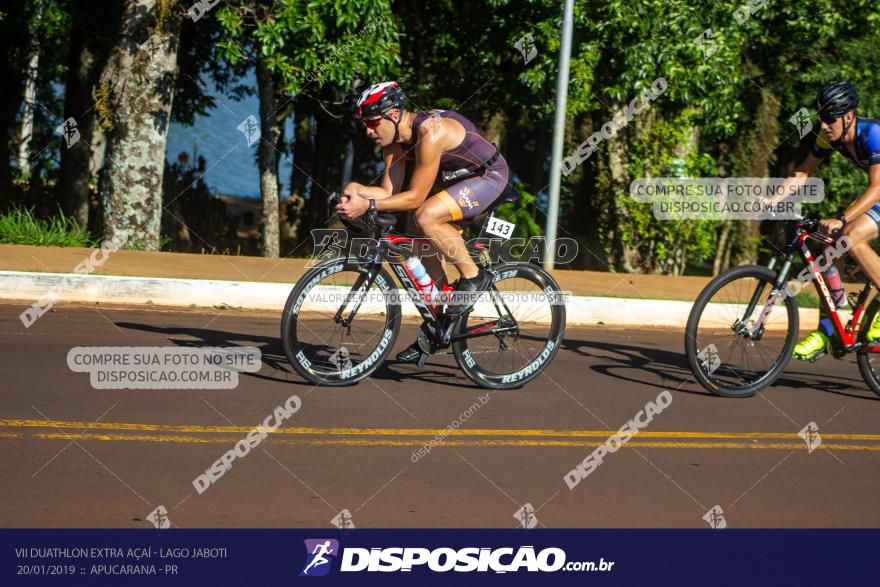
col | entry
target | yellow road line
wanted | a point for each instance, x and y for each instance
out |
(122, 426)
(383, 442)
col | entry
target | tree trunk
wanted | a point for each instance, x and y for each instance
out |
(75, 175)
(134, 104)
(496, 128)
(623, 252)
(347, 165)
(303, 150)
(325, 141)
(722, 250)
(757, 155)
(268, 159)
(30, 93)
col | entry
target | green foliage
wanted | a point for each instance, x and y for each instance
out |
(19, 226)
(313, 44)
(666, 148)
(520, 213)
(807, 299)
(725, 112)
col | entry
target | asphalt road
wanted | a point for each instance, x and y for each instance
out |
(75, 456)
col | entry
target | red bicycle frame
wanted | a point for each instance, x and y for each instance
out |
(848, 333)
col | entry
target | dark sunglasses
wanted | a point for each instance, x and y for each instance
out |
(373, 123)
(827, 118)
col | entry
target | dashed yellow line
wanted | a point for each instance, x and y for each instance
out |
(429, 432)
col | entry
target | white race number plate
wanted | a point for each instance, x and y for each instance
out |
(499, 227)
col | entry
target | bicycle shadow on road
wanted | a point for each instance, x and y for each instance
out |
(670, 368)
(273, 356)
(853, 387)
(434, 372)
(673, 372)
(271, 350)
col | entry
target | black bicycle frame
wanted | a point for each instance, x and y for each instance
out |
(391, 248)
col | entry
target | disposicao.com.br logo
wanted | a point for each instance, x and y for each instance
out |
(320, 553)
(442, 560)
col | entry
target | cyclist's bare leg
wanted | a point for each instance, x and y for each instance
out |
(436, 267)
(435, 222)
(862, 231)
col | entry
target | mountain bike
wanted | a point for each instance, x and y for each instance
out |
(343, 316)
(743, 327)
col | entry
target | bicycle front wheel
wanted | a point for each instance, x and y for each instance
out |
(336, 328)
(729, 354)
(868, 359)
(513, 331)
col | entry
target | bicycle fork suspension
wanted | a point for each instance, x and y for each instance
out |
(755, 332)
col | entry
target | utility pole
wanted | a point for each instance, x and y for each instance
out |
(558, 136)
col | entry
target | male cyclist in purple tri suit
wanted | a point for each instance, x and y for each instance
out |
(458, 174)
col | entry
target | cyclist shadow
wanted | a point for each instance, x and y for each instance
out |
(434, 372)
(853, 387)
(670, 368)
(271, 350)
(673, 371)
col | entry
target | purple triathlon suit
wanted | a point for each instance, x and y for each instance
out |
(473, 174)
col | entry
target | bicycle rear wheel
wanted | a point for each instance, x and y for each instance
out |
(317, 341)
(727, 353)
(520, 329)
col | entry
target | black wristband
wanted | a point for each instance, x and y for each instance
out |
(842, 217)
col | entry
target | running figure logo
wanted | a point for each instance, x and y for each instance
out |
(320, 553)
(341, 359)
(801, 120)
(343, 521)
(159, 518)
(526, 46)
(69, 131)
(810, 434)
(526, 516)
(715, 518)
(250, 129)
(709, 358)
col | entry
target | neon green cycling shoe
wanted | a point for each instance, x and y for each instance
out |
(874, 332)
(815, 346)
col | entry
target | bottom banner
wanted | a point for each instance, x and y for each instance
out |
(436, 557)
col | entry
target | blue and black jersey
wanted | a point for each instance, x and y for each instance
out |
(867, 144)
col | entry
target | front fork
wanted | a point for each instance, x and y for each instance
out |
(364, 280)
(756, 331)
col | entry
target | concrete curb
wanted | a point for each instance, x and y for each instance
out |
(160, 291)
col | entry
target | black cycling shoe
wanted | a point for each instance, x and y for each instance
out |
(471, 288)
(410, 354)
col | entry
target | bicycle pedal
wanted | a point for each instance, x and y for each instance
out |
(423, 358)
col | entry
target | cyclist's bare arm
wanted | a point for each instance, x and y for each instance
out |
(395, 169)
(428, 151)
(392, 177)
(807, 167)
(870, 197)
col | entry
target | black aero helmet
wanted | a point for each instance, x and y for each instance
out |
(379, 99)
(835, 100)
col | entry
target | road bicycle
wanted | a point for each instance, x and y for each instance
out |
(744, 324)
(343, 316)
